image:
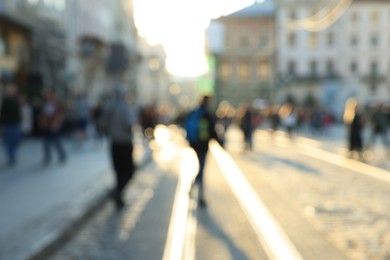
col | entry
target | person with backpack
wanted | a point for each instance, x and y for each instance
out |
(200, 129)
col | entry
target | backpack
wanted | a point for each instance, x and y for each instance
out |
(196, 126)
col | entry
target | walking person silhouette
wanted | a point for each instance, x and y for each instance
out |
(117, 122)
(200, 129)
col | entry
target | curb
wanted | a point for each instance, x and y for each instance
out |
(56, 240)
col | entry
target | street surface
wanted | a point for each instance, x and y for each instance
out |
(299, 198)
(39, 201)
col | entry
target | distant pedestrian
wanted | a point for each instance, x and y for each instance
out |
(51, 119)
(26, 117)
(289, 118)
(10, 123)
(275, 118)
(247, 126)
(379, 122)
(117, 122)
(97, 112)
(355, 133)
(82, 116)
(200, 128)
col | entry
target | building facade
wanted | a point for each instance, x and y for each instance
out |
(102, 45)
(245, 58)
(153, 81)
(324, 52)
(42, 51)
(333, 50)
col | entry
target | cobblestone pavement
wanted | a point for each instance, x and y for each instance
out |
(39, 203)
(351, 209)
(110, 234)
(140, 230)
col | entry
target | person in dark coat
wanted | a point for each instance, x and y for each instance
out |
(355, 132)
(51, 119)
(247, 126)
(10, 123)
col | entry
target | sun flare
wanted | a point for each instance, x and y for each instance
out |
(179, 25)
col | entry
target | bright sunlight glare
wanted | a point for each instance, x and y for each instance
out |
(179, 26)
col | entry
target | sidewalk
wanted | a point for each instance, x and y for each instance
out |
(336, 141)
(42, 204)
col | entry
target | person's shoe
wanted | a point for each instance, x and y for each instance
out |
(120, 204)
(11, 164)
(63, 160)
(202, 203)
(45, 162)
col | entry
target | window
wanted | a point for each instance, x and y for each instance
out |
(225, 71)
(263, 41)
(243, 71)
(313, 40)
(354, 17)
(374, 68)
(354, 40)
(374, 17)
(374, 40)
(330, 39)
(291, 40)
(263, 71)
(291, 68)
(244, 38)
(313, 68)
(354, 67)
(330, 68)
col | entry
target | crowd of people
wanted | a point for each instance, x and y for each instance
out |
(114, 118)
(372, 119)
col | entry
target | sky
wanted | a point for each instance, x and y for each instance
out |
(179, 26)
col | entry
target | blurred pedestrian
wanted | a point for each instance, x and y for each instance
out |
(82, 114)
(117, 122)
(288, 118)
(355, 133)
(10, 123)
(26, 117)
(275, 118)
(95, 119)
(51, 119)
(200, 129)
(247, 126)
(379, 124)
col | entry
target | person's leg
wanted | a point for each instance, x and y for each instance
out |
(200, 177)
(58, 145)
(8, 144)
(122, 159)
(46, 141)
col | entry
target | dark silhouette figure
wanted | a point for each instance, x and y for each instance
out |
(10, 123)
(51, 119)
(247, 126)
(379, 123)
(116, 122)
(355, 132)
(200, 145)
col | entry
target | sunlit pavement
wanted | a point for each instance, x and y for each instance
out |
(313, 208)
(39, 202)
(345, 200)
(305, 216)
